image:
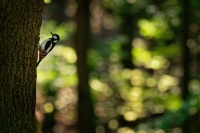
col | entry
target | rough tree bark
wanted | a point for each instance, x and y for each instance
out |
(82, 40)
(19, 35)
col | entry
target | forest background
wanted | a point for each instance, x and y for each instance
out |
(121, 66)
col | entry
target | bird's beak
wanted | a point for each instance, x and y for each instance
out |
(51, 33)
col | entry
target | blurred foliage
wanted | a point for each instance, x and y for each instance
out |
(144, 99)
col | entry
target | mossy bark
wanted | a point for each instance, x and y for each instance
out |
(19, 35)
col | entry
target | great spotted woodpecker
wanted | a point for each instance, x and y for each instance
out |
(47, 45)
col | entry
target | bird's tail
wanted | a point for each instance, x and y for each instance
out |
(40, 56)
(38, 62)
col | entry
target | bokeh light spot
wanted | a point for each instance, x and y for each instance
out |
(100, 129)
(130, 116)
(151, 82)
(113, 124)
(48, 107)
(125, 130)
(47, 1)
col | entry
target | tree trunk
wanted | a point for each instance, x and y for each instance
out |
(185, 49)
(82, 40)
(127, 31)
(185, 56)
(19, 34)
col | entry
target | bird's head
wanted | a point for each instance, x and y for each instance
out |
(55, 37)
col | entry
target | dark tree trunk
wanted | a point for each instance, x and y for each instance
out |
(56, 10)
(82, 40)
(185, 55)
(127, 31)
(19, 35)
(186, 52)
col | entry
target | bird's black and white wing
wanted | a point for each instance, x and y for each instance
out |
(46, 46)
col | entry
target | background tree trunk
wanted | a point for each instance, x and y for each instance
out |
(82, 40)
(127, 31)
(186, 57)
(19, 34)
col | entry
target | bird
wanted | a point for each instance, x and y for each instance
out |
(47, 45)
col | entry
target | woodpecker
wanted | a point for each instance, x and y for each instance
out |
(47, 45)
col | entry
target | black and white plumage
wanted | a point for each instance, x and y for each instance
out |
(47, 45)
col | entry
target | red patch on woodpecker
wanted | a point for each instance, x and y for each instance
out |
(40, 54)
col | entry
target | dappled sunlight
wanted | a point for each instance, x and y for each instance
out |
(151, 82)
(47, 108)
(141, 56)
(135, 94)
(142, 88)
(113, 124)
(64, 66)
(47, 1)
(100, 129)
(156, 109)
(157, 62)
(132, 109)
(194, 86)
(57, 80)
(66, 104)
(174, 103)
(144, 97)
(125, 130)
(155, 28)
(141, 93)
(101, 87)
(131, 115)
(144, 57)
(67, 52)
(137, 77)
(166, 82)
